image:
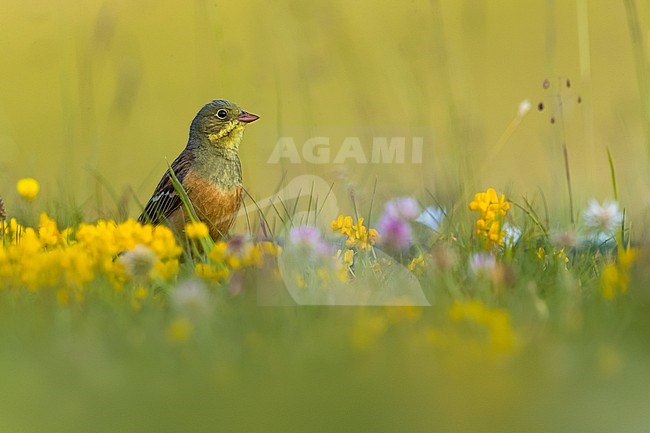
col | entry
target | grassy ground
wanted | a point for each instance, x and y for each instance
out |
(535, 332)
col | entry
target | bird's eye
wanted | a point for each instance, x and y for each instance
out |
(221, 114)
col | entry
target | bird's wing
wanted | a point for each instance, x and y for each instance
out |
(165, 200)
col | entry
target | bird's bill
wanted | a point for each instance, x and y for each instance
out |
(247, 117)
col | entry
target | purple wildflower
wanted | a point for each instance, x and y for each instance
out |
(394, 232)
(481, 262)
(237, 244)
(309, 238)
(406, 208)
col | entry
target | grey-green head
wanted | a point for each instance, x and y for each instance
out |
(221, 121)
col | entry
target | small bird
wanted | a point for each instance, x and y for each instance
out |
(209, 170)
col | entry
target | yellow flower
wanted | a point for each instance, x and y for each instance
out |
(218, 252)
(562, 256)
(268, 248)
(238, 253)
(164, 243)
(68, 261)
(323, 275)
(348, 257)
(28, 188)
(359, 236)
(615, 277)
(502, 338)
(342, 274)
(417, 265)
(627, 257)
(368, 329)
(208, 272)
(300, 281)
(179, 330)
(610, 281)
(196, 230)
(342, 224)
(490, 203)
(492, 209)
(494, 234)
(166, 269)
(263, 251)
(203, 270)
(139, 295)
(49, 233)
(234, 262)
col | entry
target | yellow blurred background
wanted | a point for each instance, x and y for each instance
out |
(95, 95)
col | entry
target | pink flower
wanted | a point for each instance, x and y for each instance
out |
(406, 208)
(309, 238)
(394, 232)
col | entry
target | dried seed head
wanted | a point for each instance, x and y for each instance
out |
(540, 106)
(552, 119)
(139, 261)
(546, 84)
(568, 83)
(524, 108)
(567, 239)
(3, 212)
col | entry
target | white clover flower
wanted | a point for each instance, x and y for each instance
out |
(431, 217)
(602, 219)
(406, 208)
(191, 296)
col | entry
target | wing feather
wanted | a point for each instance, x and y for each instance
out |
(165, 200)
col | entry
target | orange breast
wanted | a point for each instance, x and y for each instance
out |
(215, 206)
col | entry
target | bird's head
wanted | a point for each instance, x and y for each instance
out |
(222, 122)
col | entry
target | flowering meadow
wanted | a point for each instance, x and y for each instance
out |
(474, 317)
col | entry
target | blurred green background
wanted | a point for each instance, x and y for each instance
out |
(95, 95)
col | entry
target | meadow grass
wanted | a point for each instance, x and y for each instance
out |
(520, 329)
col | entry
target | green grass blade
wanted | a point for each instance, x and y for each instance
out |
(261, 214)
(530, 212)
(206, 242)
(613, 173)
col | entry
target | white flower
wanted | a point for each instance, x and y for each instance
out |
(481, 262)
(513, 233)
(138, 262)
(567, 239)
(191, 296)
(602, 219)
(431, 217)
(524, 108)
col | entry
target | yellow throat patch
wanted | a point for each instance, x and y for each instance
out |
(229, 136)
